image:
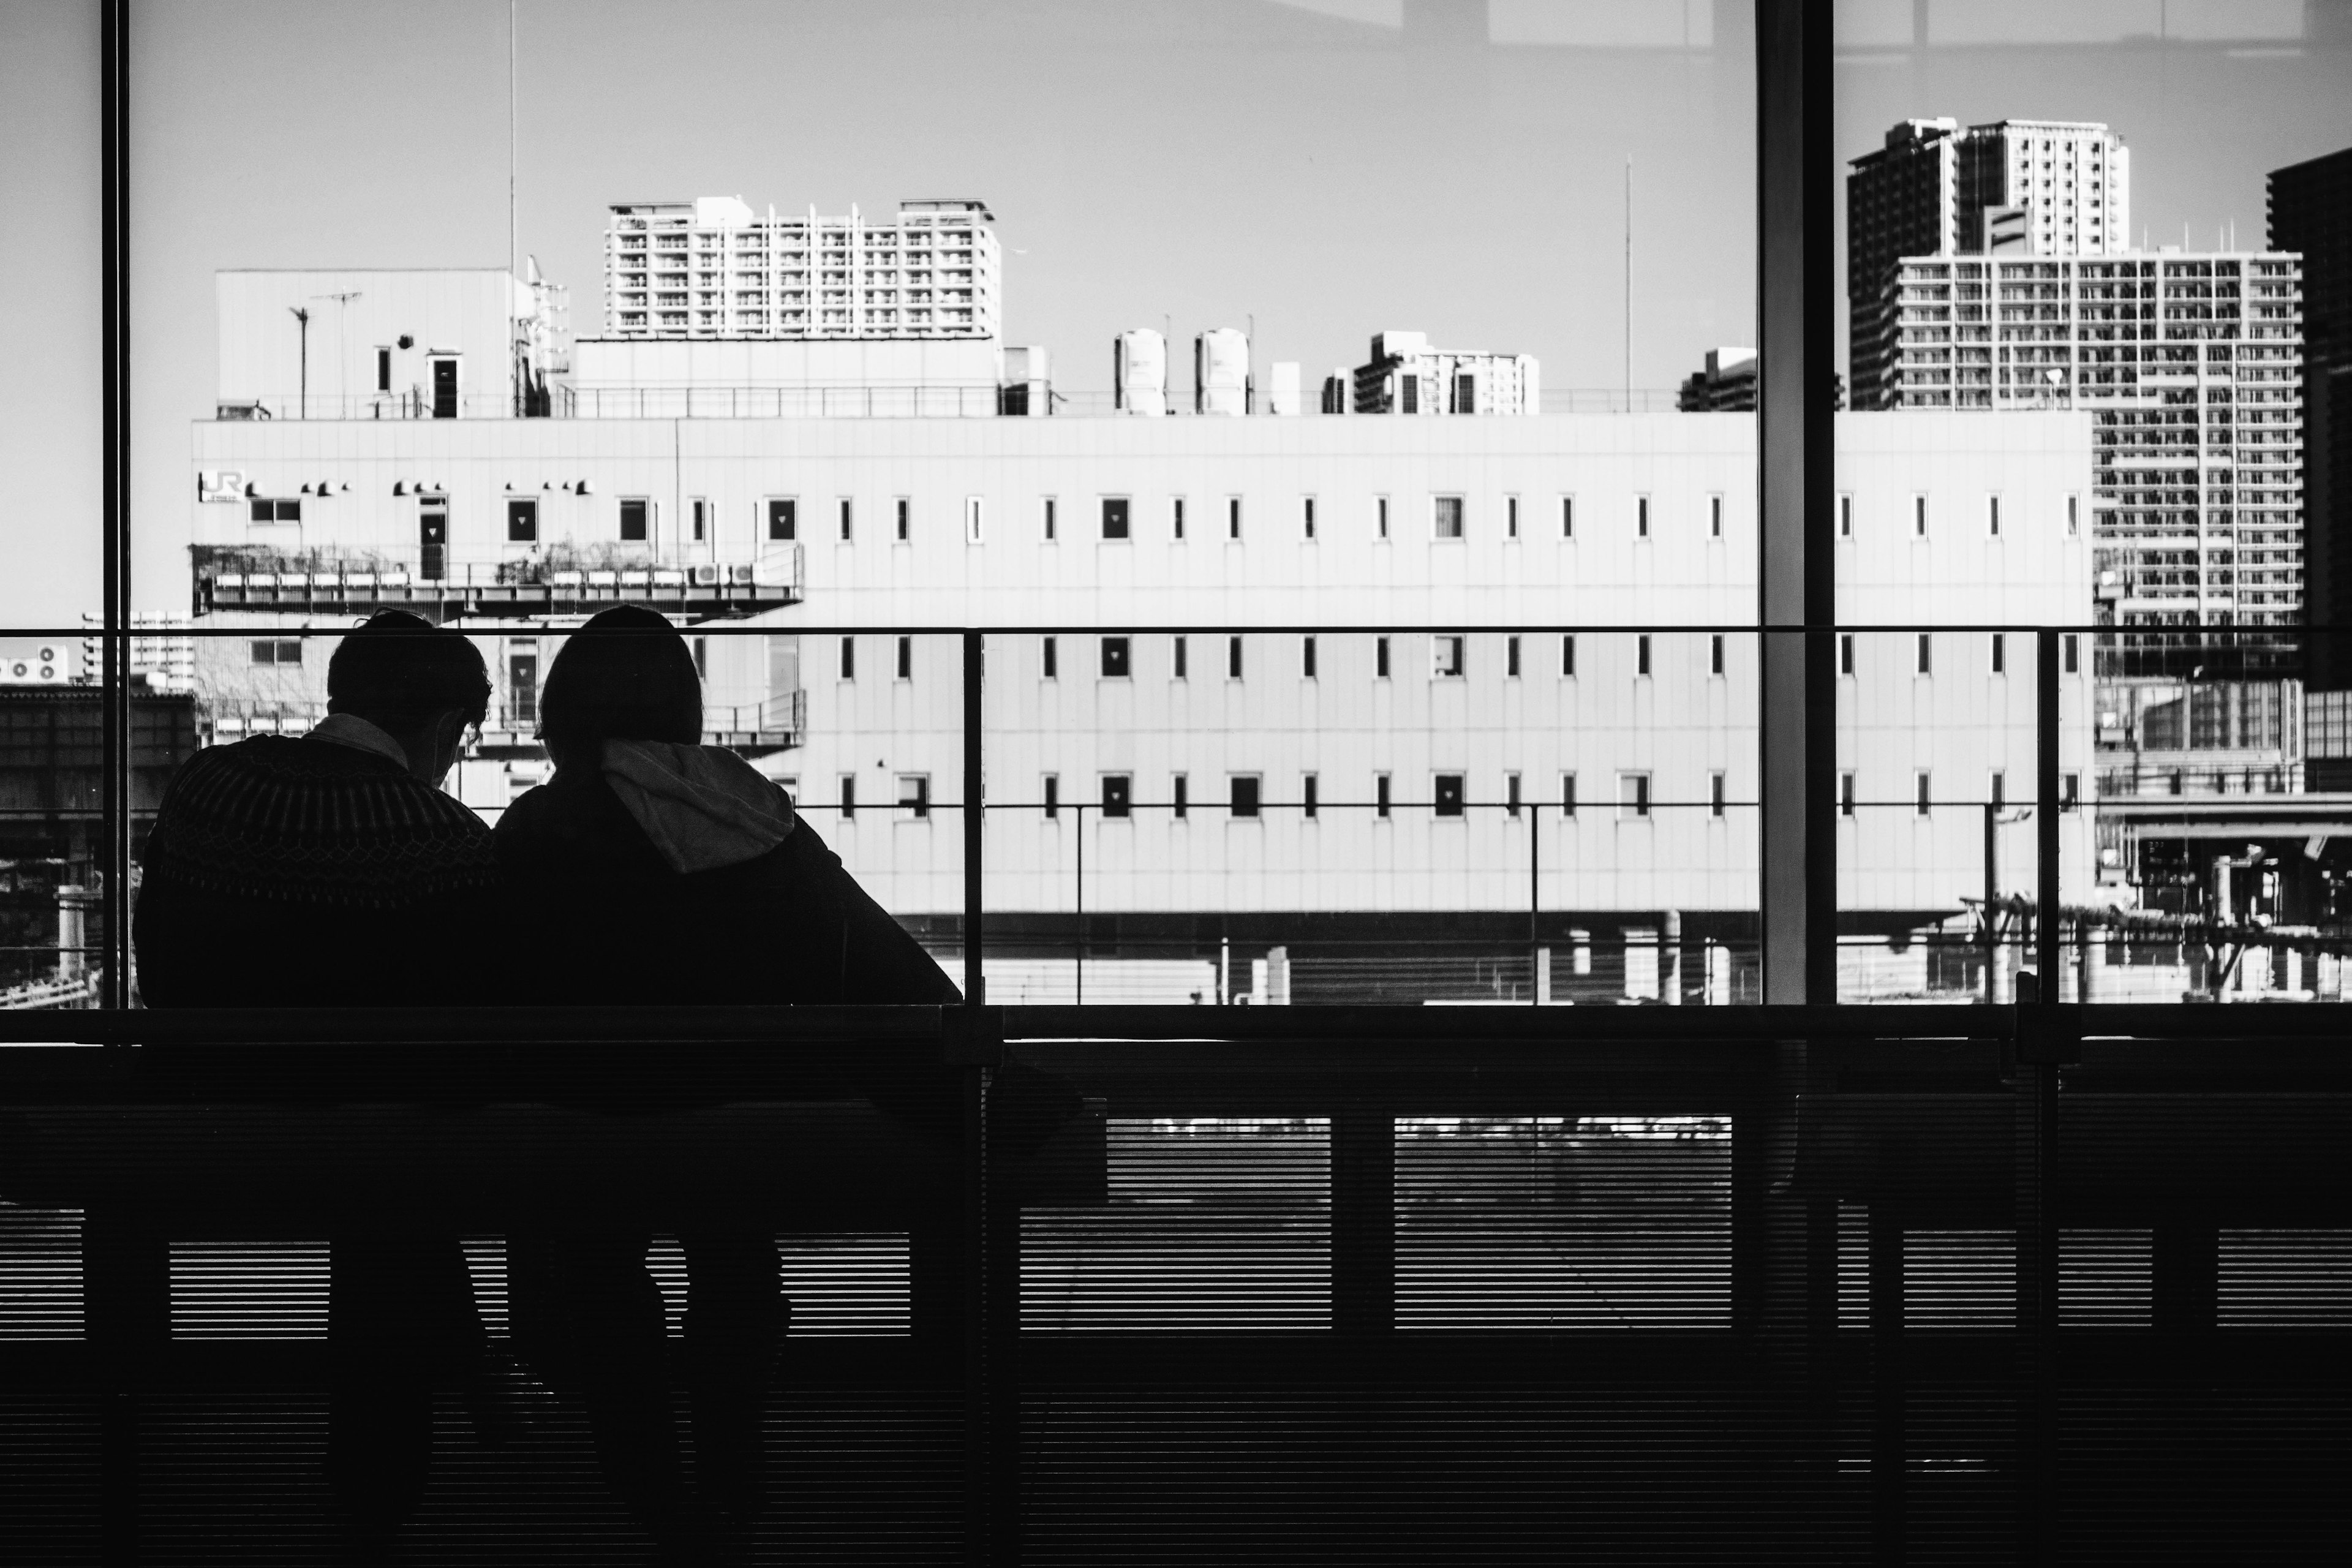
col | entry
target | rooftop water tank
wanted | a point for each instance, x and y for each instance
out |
(1220, 372)
(1140, 372)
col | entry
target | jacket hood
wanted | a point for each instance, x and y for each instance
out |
(703, 807)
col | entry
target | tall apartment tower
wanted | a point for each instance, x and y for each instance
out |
(2017, 187)
(2311, 214)
(2024, 291)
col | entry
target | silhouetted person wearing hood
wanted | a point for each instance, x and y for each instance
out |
(657, 870)
(331, 871)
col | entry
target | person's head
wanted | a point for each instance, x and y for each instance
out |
(625, 676)
(417, 682)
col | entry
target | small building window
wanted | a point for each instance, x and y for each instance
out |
(277, 651)
(288, 509)
(1232, 516)
(1233, 658)
(848, 797)
(1380, 795)
(1642, 654)
(1176, 517)
(783, 519)
(903, 510)
(1118, 795)
(915, 795)
(1053, 796)
(1379, 658)
(1180, 660)
(1244, 794)
(1919, 517)
(1116, 662)
(1511, 658)
(1998, 785)
(1992, 516)
(974, 518)
(522, 522)
(1448, 792)
(1309, 798)
(2000, 654)
(384, 370)
(1447, 516)
(1927, 653)
(1052, 522)
(1567, 654)
(1715, 654)
(635, 520)
(2074, 516)
(1567, 517)
(1381, 516)
(2069, 791)
(1715, 517)
(906, 658)
(1846, 794)
(1114, 517)
(1449, 656)
(1510, 517)
(1306, 517)
(1568, 795)
(844, 507)
(850, 658)
(1632, 794)
(1641, 517)
(699, 510)
(1845, 517)
(2071, 651)
(1511, 794)
(1307, 657)
(1923, 793)
(1052, 648)
(1715, 794)
(1845, 653)
(1180, 797)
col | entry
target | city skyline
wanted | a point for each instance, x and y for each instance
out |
(1237, 204)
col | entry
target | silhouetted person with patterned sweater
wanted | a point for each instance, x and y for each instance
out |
(331, 871)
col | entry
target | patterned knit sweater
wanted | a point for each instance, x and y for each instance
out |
(303, 873)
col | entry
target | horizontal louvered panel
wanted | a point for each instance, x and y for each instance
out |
(2106, 1278)
(2284, 1280)
(249, 1290)
(1211, 1224)
(41, 1274)
(838, 1285)
(1563, 1223)
(1959, 1279)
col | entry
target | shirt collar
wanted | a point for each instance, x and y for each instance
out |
(351, 729)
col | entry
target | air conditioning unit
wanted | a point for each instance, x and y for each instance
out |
(706, 576)
(740, 573)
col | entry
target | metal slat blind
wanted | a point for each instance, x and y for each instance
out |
(1211, 1224)
(41, 1274)
(1551, 1221)
(2284, 1280)
(249, 1290)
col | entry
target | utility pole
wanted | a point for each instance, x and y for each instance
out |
(303, 316)
(1628, 282)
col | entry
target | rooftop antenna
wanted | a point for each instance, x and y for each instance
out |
(302, 315)
(1628, 282)
(512, 246)
(342, 348)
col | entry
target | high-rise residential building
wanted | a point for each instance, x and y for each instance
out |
(2311, 215)
(1725, 385)
(712, 267)
(2035, 187)
(1405, 376)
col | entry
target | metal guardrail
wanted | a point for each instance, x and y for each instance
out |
(520, 586)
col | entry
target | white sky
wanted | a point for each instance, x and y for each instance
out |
(1333, 167)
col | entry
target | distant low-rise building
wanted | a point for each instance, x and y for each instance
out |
(1405, 376)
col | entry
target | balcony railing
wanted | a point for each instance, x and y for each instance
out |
(429, 579)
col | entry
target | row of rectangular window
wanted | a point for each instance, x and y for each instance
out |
(1923, 793)
(1449, 795)
(1449, 656)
